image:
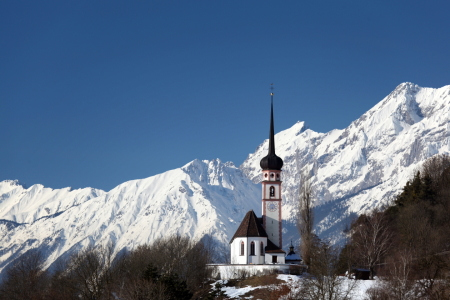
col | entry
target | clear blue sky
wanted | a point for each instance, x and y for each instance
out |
(95, 93)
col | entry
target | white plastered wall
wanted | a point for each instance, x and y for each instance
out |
(280, 258)
(266, 191)
(237, 258)
(273, 223)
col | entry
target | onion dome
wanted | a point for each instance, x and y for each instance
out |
(271, 161)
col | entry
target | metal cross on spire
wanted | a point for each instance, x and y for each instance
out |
(271, 88)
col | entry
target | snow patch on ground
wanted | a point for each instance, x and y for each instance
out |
(294, 282)
(234, 292)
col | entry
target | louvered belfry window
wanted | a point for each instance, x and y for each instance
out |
(242, 248)
(252, 248)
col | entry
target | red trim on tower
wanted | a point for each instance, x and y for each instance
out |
(280, 224)
(266, 183)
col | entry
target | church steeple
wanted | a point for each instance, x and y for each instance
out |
(271, 166)
(271, 161)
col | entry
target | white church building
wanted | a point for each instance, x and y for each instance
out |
(256, 246)
(259, 240)
(251, 245)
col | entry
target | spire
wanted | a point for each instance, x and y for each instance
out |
(272, 133)
(271, 161)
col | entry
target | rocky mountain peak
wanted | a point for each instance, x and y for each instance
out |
(353, 170)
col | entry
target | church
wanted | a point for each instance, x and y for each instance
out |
(259, 240)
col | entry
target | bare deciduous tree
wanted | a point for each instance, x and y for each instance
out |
(371, 238)
(171, 256)
(141, 289)
(90, 273)
(323, 282)
(305, 219)
(26, 278)
(184, 257)
(171, 268)
(396, 284)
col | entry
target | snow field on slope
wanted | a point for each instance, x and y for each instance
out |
(364, 165)
(201, 198)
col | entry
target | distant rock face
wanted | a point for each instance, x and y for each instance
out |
(353, 170)
(362, 166)
(201, 198)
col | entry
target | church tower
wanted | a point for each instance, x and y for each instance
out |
(259, 240)
(271, 189)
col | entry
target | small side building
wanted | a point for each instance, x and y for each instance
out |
(293, 258)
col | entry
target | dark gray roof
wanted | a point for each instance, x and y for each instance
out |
(272, 248)
(250, 227)
(292, 256)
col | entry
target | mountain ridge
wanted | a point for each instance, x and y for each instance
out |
(198, 199)
(353, 170)
(363, 165)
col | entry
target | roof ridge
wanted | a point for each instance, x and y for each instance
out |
(252, 213)
(250, 227)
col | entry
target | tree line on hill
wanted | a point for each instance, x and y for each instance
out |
(406, 243)
(170, 268)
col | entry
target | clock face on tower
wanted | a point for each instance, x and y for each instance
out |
(272, 206)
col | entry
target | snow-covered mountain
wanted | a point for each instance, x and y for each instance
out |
(201, 198)
(21, 205)
(362, 166)
(353, 170)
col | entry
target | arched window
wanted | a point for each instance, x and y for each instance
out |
(242, 248)
(261, 250)
(252, 248)
(272, 191)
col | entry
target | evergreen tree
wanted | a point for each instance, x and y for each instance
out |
(416, 187)
(217, 292)
(427, 192)
(151, 273)
(175, 287)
